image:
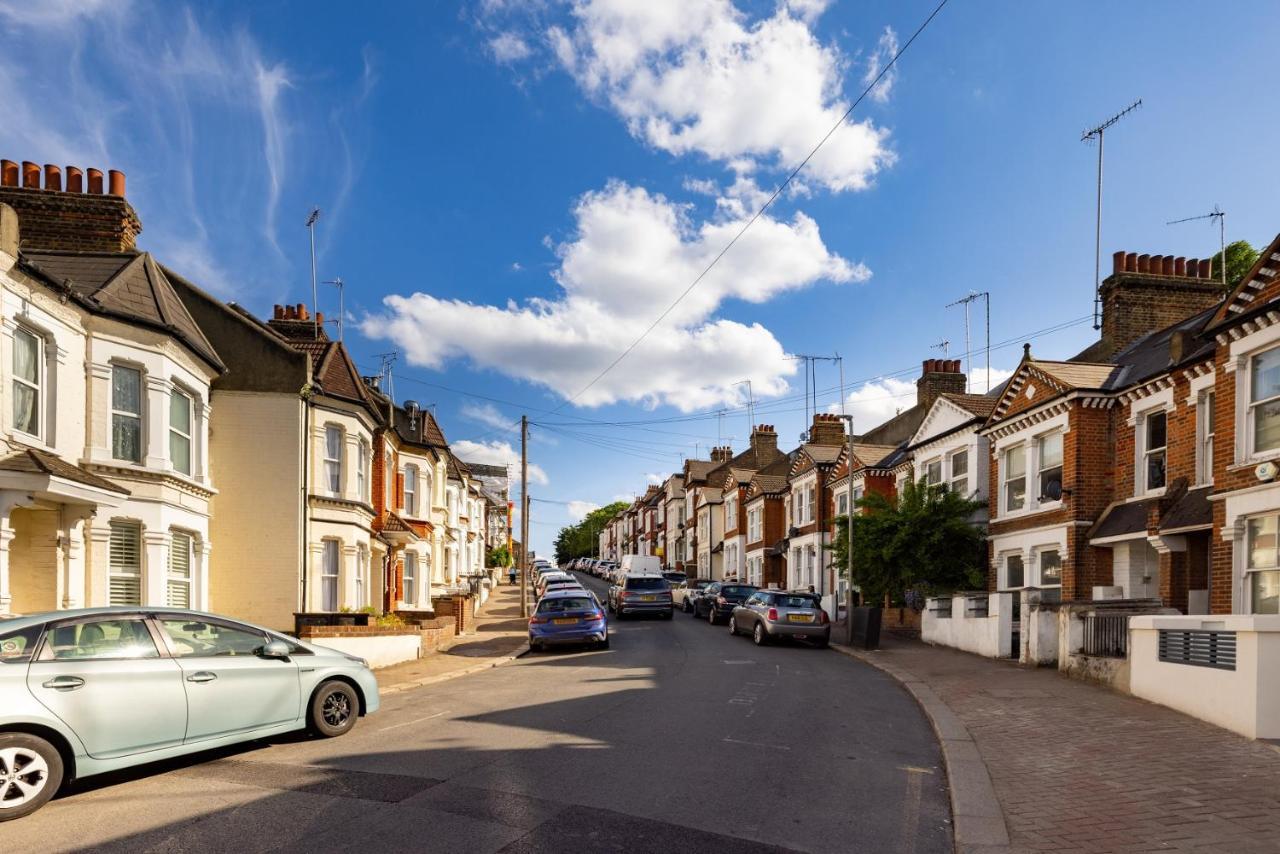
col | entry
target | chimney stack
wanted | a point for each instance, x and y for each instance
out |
(1146, 293)
(764, 444)
(294, 322)
(73, 218)
(827, 429)
(939, 376)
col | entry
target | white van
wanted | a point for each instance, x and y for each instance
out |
(632, 564)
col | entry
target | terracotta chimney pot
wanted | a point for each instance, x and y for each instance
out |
(1206, 268)
(1166, 265)
(9, 173)
(303, 314)
(52, 177)
(1144, 263)
(95, 181)
(75, 180)
(1117, 262)
(1179, 266)
(1131, 262)
(30, 175)
(117, 182)
(320, 317)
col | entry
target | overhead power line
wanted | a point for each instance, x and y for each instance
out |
(776, 193)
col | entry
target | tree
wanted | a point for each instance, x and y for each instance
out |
(500, 556)
(1241, 256)
(924, 539)
(582, 539)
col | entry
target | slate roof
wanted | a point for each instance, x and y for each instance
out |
(699, 469)
(1192, 510)
(35, 461)
(1129, 517)
(127, 285)
(428, 430)
(772, 478)
(1152, 354)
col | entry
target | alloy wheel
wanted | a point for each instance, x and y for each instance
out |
(23, 776)
(337, 709)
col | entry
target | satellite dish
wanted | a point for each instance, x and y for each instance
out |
(1053, 490)
(411, 406)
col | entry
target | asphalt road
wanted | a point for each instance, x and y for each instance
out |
(677, 739)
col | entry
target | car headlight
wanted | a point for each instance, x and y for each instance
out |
(357, 659)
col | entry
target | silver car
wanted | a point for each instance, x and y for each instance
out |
(769, 615)
(89, 691)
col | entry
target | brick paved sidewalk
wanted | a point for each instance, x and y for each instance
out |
(1078, 767)
(499, 634)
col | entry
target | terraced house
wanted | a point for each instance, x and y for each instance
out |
(105, 481)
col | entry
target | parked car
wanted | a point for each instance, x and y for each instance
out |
(683, 593)
(560, 584)
(547, 577)
(717, 605)
(641, 593)
(674, 577)
(651, 564)
(769, 615)
(567, 617)
(94, 690)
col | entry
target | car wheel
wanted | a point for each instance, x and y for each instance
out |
(733, 625)
(604, 644)
(760, 636)
(711, 616)
(334, 709)
(30, 774)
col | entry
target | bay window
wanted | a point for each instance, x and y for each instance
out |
(28, 358)
(1264, 400)
(959, 483)
(1154, 449)
(329, 576)
(810, 497)
(126, 414)
(1262, 565)
(180, 429)
(933, 472)
(842, 503)
(411, 490)
(410, 594)
(362, 474)
(1013, 571)
(1015, 478)
(1049, 448)
(1050, 561)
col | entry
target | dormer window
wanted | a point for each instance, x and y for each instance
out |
(28, 357)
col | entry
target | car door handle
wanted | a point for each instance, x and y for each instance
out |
(64, 683)
(202, 676)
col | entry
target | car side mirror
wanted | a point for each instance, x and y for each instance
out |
(275, 649)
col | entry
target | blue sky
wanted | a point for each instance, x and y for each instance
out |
(532, 183)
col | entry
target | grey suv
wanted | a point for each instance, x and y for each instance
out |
(641, 593)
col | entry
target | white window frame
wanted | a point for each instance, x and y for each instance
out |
(953, 480)
(1038, 501)
(1206, 404)
(38, 386)
(138, 416)
(410, 578)
(1250, 404)
(362, 473)
(1145, 452)
(810, 498)
(1249, 569)
(361, 580)
(330, 573)
(1004, 570)
(123, 567)
(179, 578)
(1021, 449)
(189, 437)
(333, 464)
(1038, 560)
(410, 503)
(928, 475)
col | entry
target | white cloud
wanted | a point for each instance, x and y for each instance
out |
(578, 510)
(509, 47)
(269, 83)
(875, 402)
(56, 13)
(516, 266)
(700, 77)
(489, 415)
(655, 478)
(497, 453)
(633, 254)
(886, 47)
(978, 378)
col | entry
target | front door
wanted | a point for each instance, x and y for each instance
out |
(104, 678)
(230, 687)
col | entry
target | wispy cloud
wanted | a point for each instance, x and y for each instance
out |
(489, 415)
(270, 82)
(578, 510)
(886, 47)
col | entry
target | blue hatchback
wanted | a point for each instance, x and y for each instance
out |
(568, 616)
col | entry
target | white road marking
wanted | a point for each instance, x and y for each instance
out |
(410, 723)
(755, 744)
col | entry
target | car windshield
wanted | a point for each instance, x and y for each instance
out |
(674, 576)
(17, 646)
(566, 603)
(795, 602)
(737, 590)
(647, 584)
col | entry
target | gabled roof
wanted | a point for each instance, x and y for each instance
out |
(980, 405)
(1060, 377)
(1260, 278)
(770, 480)
(129, 286)
(423, 431)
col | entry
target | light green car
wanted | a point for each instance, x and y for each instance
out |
(89, 691)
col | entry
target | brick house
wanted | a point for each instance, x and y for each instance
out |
(810, 509)
(105, 466)
(673, 521)
(732, 477)
(764, 542)
(693, 480)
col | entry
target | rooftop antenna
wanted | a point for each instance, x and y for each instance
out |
(386, 360)
(311, 227)
(965, 301)
(1221, 216)
(811, 381)
(942, 345)
(751, 403)
(342, 311)
(1089, 136)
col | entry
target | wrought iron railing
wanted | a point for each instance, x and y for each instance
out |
(1106, 635)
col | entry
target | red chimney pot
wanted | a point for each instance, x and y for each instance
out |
(95, 181)
(52, 177)
(1144, 263)
(75, 180)
(1179, 266)
(30, 175)
(117, 182)
(1117, 262)
(1131, 262)
(320, 317)
(303, 314)
(9, 173)
(1206, 268)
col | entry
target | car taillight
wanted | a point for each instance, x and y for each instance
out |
(822, 618)
(533, 621)
(773, 615)
(720, 600)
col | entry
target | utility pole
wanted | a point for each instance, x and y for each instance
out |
(1089, 136)
(315, 296)
(524, 515)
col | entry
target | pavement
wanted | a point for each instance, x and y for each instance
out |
(1077, 767)
(499, 635)
(677, 738)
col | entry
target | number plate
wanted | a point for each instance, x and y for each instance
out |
(800, 618)
(648, 598)
(565, 621)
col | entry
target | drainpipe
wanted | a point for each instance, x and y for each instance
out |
(306, 488)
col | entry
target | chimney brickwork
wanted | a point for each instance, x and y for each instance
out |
(826, 430)
(939, 377)
(1146, 293)
(764, 441)
(295, 323)
(76, 218)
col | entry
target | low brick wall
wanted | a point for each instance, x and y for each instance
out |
(462, 608)
(437, 633)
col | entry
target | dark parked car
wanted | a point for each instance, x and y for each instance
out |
(641, 593)
(769, 615)
(718, 603)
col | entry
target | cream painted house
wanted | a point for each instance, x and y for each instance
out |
(105, 482)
